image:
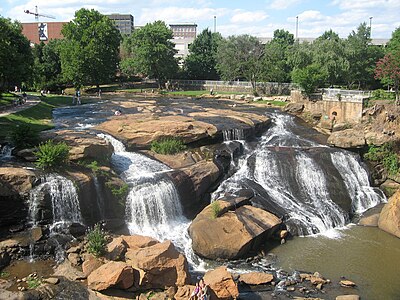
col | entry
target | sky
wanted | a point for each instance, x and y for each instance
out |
(233, 17)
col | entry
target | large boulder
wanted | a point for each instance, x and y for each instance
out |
(348, 139)
(112, 274)
(389, 219)
(116, 249)
(82, 145)
(160, 265)
(256, 278)
(232, 234)
(193, 183)
(15, 184)
(294, 108)
(138, 241)
(221, 284)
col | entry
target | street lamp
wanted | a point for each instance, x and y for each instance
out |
(215, 24)
(370, 27)
(297, 28)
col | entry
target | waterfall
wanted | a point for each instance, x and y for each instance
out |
(233, 134)
(356, 179)
(99, 196)
(153, 206)
(64, 200)
(6, 152)
(294, 177)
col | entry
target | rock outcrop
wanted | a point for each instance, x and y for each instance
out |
(256, 278)
(389, 219)
(232, 234)
(349, 138)
(160, 265)
(221, 284)
(111, 274)
(82, 145)
(294, 108)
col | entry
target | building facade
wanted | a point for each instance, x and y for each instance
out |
(124, 23)
(42, 31)
(184, 35)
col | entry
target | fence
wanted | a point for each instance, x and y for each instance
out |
(272, 88)
(345, 95)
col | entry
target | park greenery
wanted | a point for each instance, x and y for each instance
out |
(96, 240)
(168, 146)
(94, 53)
(52, 155)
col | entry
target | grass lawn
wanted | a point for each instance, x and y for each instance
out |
(7, 99)
(38, 117)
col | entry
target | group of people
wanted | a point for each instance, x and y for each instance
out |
(201, 291)
(76, 99)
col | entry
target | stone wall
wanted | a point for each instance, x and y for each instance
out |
(348, 110)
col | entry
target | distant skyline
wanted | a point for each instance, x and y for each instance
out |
(258, 18)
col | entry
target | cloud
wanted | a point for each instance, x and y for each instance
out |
(283, 4)
(180, 14)
(366, 4)
(241, 16)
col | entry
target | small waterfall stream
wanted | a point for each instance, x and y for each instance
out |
(6, 152)
(305, 183)
(234, 134)
(153, 206)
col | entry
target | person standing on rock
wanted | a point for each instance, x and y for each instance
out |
(195, 293)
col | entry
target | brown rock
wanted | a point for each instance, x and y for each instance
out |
(90, 264)
(294, 108)
(161, 265)
(349, 138)
(371, 216)
(15, 181)
(347, 283)
(74, 249)
(74, 258)
(27, 154)
(184, 292)
(256, 278)
(36, 233)
(233, 234)
(82, 145)
(138, 241)
(389, 219)
(116, 249)
(348, 297)
(52, 280)
(221, 283)
(68, 271)
(111, 274)
(316, 280)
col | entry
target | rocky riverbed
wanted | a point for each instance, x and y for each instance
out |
(136, 266)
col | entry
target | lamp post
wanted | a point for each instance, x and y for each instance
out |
(215, 24)
(297, 28)
(370, 27)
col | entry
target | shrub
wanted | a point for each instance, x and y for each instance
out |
(215, 209)
(385, 155)
(33, 282)
(52, 156)
(23, 136)
(96, 240)
(168, 146)
(381, 94)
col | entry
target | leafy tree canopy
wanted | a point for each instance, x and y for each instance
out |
(90, 53)
(149, 51)
(16, 58)
(201, 61)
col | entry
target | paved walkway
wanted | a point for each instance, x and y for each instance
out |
(31, 101)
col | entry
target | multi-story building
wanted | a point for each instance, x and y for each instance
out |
(42, 31)
(124, 23)
(184, 35)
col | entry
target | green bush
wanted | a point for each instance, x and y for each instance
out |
(96, 241)
(24, 136)
(52, 156)
(385, 155)
(168, 146)
(381, 94)
(33, 282)
(215, 209)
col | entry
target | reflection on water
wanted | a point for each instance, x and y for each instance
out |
(365, 255)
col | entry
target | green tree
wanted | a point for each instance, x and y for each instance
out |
(329, 53)
(361, 55)
(276, 65)
(240, 57)
(388, 70)
(201, 61)
(90, 52)
(47, 65)
(149, 51)
(16, 58)
(309, 77)
(394, 43)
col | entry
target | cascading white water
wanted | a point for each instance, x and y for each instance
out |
(286, 170)
(233, 134)
(99, 196)
(356, 179)
(64, 200)
(6, 152)
(153, 207)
